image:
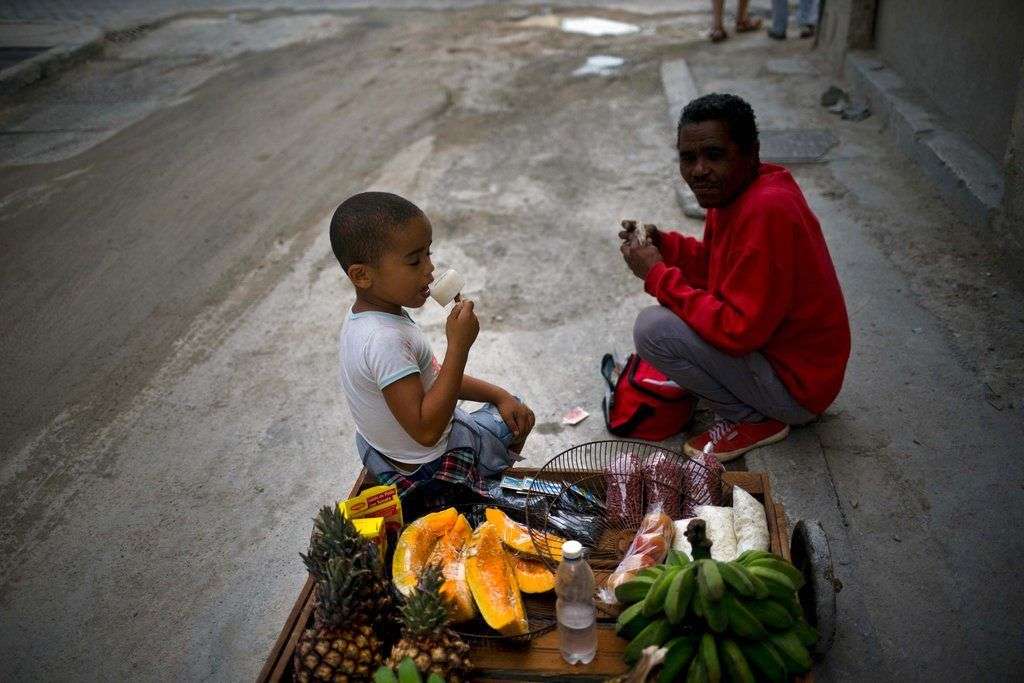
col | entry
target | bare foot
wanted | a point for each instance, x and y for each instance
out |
(746, 24)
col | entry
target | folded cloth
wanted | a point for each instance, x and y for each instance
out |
(749, 522)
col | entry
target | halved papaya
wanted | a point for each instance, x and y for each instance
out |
(517, 536)
(415, 545)
(493, 582)
(450, 554)
(533, 576)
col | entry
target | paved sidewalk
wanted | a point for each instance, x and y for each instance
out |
(38, 49)
(915, 472)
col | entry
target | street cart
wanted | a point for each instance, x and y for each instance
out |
(539, 658)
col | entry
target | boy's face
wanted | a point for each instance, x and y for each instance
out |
(404, 272)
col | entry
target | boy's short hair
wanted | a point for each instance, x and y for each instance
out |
(731, 110)
(360, 226)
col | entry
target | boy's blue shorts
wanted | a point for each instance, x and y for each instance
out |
(488, 417)
(478, 444)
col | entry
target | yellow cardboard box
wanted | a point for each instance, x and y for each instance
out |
(379, 501)
(372, 529)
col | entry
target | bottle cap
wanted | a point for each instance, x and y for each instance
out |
(571, 550)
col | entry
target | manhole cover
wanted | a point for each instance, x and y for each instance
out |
(796, 146)
(9, 56)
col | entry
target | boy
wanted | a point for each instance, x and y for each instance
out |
(409, 430)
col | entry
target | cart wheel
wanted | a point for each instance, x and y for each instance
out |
(811, 555)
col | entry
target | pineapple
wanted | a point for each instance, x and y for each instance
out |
(335, 536)
(355, 612)
(426, 638)
(343, 647)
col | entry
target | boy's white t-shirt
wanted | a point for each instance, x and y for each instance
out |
(377, 349)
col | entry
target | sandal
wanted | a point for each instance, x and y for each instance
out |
(748, 25)
(717, 35)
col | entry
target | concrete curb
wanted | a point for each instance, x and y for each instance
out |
(968, 177)
(54, 60)
(679, 88)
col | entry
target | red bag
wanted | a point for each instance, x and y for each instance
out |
(642, 402)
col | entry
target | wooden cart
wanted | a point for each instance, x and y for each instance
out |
(540, 659)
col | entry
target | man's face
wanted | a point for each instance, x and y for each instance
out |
(712, 164)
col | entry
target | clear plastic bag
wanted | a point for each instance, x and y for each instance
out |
(649, 547)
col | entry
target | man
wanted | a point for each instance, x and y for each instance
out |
(752, 317)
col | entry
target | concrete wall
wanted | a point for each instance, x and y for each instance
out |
(1011, 213)
(965, 55)
(846, 25)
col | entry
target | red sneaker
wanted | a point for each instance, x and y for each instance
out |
(729, 440)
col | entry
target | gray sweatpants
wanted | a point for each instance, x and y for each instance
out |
(741, 389)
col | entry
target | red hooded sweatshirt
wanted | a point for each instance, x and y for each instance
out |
(762, 280)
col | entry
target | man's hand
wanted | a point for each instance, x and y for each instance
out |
(517, 416)
(640, 259)
(462, 326)
(630, 227)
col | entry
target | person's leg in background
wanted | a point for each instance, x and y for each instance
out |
(718, 33)
(807, 17)
(780, 18)
(743, 21)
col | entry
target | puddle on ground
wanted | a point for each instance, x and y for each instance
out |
(595, 26)
(591, 26)
(600, 65)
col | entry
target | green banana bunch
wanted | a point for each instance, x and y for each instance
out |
(738, 620)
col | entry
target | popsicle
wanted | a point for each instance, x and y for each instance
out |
(445, 288)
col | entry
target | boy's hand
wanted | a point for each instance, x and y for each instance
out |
(462, 326)
(519, 418)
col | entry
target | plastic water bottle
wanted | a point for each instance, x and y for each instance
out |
(577, 625)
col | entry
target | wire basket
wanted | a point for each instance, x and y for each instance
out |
(620, 478)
